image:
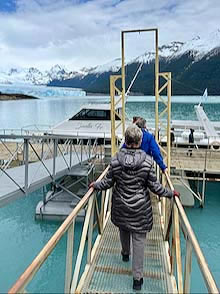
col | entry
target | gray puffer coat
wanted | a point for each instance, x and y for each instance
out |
(131, 173)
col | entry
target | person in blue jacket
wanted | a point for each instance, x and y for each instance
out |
(148, 143)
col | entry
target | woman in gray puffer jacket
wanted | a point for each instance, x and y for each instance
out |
(131, 175)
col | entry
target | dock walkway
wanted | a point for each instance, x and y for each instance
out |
(109, 274)
(38, 176)
(200, 160)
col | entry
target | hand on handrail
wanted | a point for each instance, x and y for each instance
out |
(91, 185)
(176, 194)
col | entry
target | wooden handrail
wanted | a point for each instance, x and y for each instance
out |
(44, 253)
(42, 256)
(209, 280)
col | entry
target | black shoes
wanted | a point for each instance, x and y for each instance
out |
(125, 257)
(137, 284)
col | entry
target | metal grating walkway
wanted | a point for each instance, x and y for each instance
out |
(109, 274)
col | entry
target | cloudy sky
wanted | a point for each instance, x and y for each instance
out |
(78, 33)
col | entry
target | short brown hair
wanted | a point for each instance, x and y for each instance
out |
(135, 118)
(141, 123)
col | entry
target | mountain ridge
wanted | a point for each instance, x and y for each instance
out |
(191, 63)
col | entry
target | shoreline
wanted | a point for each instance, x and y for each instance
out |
(15, 96)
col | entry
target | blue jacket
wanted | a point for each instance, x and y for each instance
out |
(150, 146)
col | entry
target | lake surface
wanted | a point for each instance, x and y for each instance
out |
(22, 237)
(49, 111)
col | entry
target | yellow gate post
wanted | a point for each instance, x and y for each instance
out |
(116, 114)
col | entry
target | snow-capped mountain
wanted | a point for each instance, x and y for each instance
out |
(197, 48)
(113, 66)
(33, 75)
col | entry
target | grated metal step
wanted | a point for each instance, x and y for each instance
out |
(109, 274)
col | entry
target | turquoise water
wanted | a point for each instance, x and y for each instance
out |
(52, 110)
(22, 237)
(206, 225)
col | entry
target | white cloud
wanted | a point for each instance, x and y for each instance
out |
(45, 32)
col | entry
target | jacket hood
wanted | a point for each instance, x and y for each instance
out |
(131, 158)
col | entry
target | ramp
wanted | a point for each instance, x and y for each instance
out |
(109, 274)
(38, 175)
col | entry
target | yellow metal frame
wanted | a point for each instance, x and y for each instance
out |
(164, 127)
(166, 76)
(114, 113)
(114, 89)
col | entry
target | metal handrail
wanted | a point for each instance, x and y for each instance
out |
(192, 243)
(32, 269)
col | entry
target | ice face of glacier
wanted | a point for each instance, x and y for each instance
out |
(41, 91)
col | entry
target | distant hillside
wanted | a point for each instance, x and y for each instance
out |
(195, 65)
(189, 77)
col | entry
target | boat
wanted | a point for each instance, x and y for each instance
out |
(91, 121)
(94, 120)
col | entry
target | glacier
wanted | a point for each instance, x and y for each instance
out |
(41, 91)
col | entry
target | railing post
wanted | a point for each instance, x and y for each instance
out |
(203, 188)
(71, 152)
(82, 244)
(54, 156)
(81, 155)
(69, 257)
(188, 265)
(26, 159)
(90, 232)
(173, 252)
(102, 209)
(89, 149)
(42, 149)
(178, 250)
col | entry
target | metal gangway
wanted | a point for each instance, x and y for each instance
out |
(104, 271)
(40, 160)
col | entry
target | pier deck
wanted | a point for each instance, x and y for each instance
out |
(200, 160)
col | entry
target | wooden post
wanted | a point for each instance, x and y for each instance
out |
(69, 257)
(82, 245)
(188, 265)
(173, 251)
(90, 232)
(178, 250)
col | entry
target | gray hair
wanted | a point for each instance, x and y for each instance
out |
(141, 123)
(133, 135)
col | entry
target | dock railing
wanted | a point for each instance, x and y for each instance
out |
(39, 149)
(178, 220)
(73, 282)
(90, 203)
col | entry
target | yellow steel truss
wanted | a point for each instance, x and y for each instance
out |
(164, 117)
(159, 124)
(115, 113)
